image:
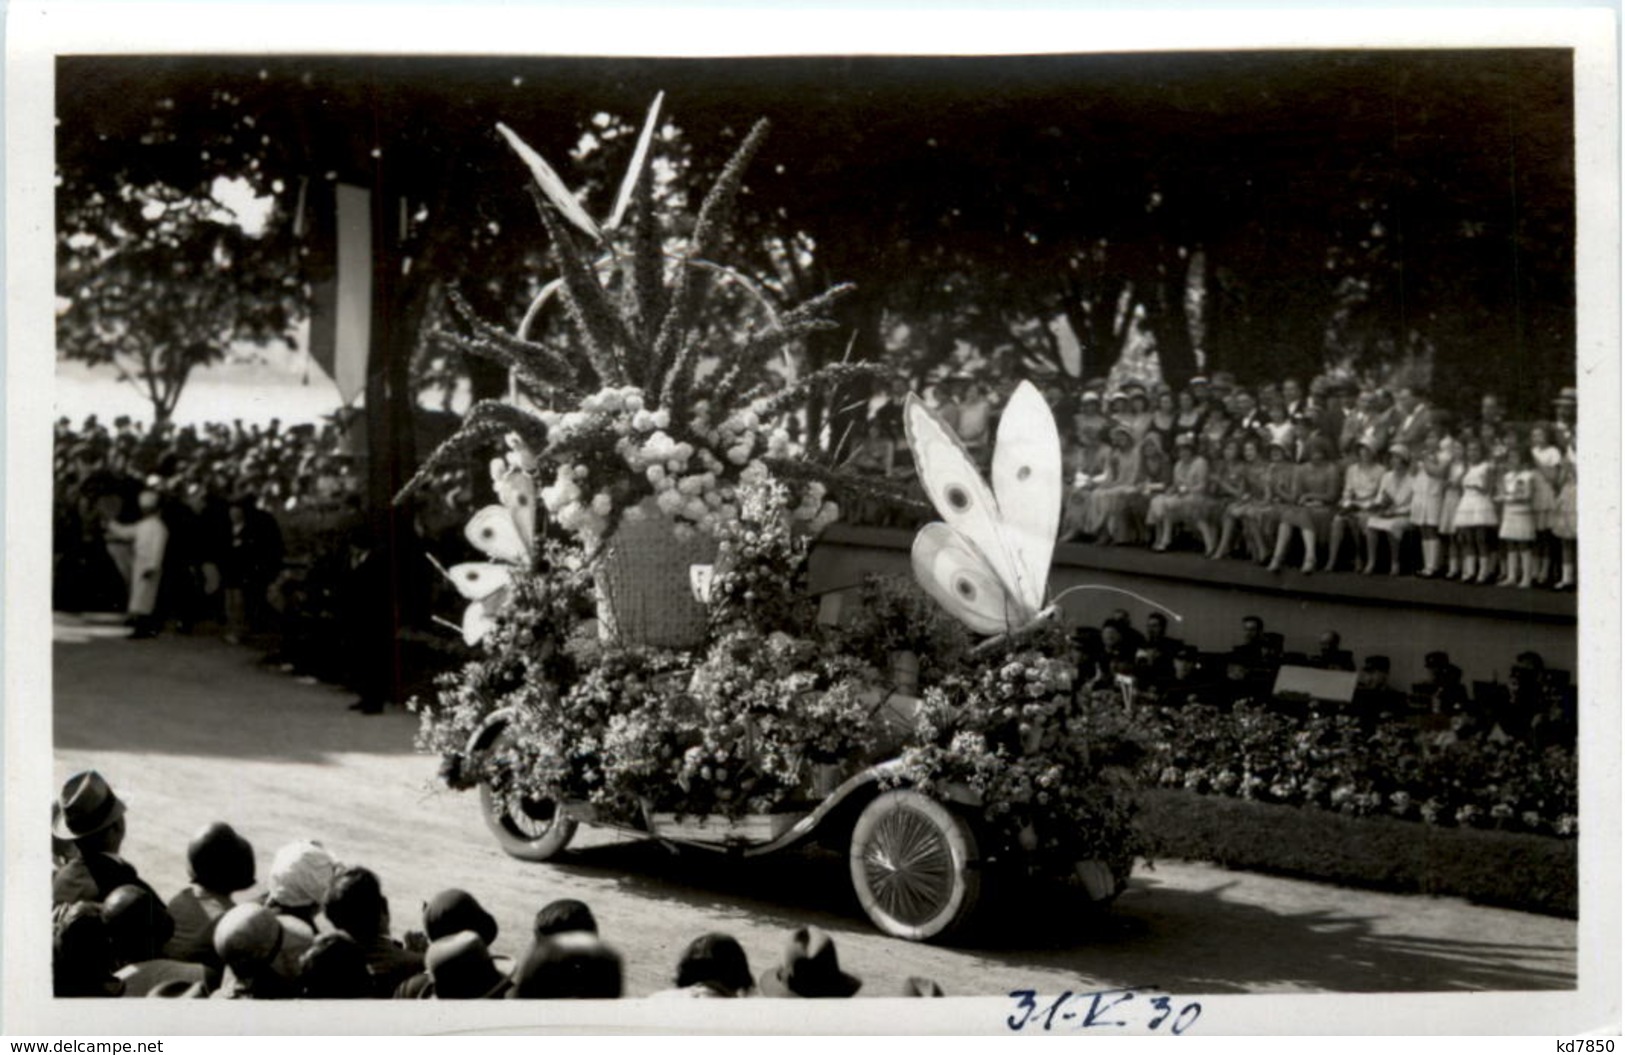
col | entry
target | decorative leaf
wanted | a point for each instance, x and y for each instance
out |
(550, 184)
(639, 164)
(601, 330)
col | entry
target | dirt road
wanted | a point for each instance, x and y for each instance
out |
(191, 730)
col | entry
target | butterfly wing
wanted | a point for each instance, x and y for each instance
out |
(480, 617)
(551, 185)
(950, 568)
(478, 580)
(957, 489)
(640, 157)
(493, 532)
(516, 490)
(1027, 486)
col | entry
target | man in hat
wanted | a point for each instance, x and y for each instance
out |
(90, 817)
(810, 968)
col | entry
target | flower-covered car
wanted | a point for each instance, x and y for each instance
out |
(646, 654)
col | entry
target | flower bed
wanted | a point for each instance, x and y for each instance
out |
(1336, 762)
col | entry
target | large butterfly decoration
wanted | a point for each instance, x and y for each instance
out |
(987, 561)
(506, 534)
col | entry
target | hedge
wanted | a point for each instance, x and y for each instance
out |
(1532, 873)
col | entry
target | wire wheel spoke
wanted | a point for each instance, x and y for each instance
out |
(531, 817)
(909, 866)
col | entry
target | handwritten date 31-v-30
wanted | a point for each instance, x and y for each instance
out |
(1123, 1010)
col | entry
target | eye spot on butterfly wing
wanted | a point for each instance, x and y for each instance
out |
(966, 589)
(1024, 472)
(957, 498)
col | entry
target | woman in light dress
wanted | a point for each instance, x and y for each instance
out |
(1239, 484)
(1362, 480)
(1566, 517)
(1186, 502)
(1454, 541)
(1429, 481)
(1476, 517)
(1391, 515)
(1546, 460)
(1315, 487)
(1517, 518)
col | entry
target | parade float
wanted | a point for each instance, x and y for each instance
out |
(645, 654)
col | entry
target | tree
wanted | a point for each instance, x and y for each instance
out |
(157, 282)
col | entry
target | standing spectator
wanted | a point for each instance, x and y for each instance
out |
(1428, 478)
(1546, 463)
(148, 538)
(1413, 417)
(1517, 518)
(252, 562)
(1451, 538)
(1475, 513)
(1566, 517)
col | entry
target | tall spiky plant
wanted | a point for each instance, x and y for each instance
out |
(634, 313)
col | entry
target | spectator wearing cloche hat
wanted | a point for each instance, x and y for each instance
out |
(461, 968)
(220, 863)
(301, 873)
(713, 965)
(90, 817)
(573, 965)
(810, 968)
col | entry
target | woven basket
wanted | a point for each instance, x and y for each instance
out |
(642, 585)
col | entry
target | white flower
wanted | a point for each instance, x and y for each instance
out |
(633, 514)
(643, 421)
(662, 418)
(602, 503)
(695, 509)
(669, 502)
(655, 473)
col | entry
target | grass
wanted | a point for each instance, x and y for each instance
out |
(1532, 873)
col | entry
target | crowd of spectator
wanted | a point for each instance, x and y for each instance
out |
(1333, 476)
(321, 929)
(1536, 705)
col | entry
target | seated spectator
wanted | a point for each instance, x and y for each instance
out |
(1155, 656)
(1391, 514)
(91, 818)
(1184, 684)
(301, 874)
(810, 968)
(1443, 691)
(139, 927)
(447, 913)
(334, 968)
(461, 968)
(563, 917)
(82, 954)
(1250, 650)
(357, 906)
(573, 965)
(1117, 655)
(1330, 653)
(713, 965)
(1362, 482)
(1373, 697)
(220, 862)
(261, 951)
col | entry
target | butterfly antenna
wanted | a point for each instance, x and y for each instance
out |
(1117, 589)
(448, 624)
(441, 568)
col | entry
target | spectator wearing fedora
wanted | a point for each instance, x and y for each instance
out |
(220, 863)
(810, 968)
(713, 965)
(461, 968)
(334, 968)
(90, 817)
(447, 913)
(356, 905)
(139, 927)
(82, 954)
(573, 965)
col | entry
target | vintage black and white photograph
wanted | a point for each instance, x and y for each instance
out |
(1099, 530)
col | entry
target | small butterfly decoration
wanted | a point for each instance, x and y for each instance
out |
(506, 534)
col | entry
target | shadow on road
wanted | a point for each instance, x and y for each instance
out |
(198, 695)
(1220, 945)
